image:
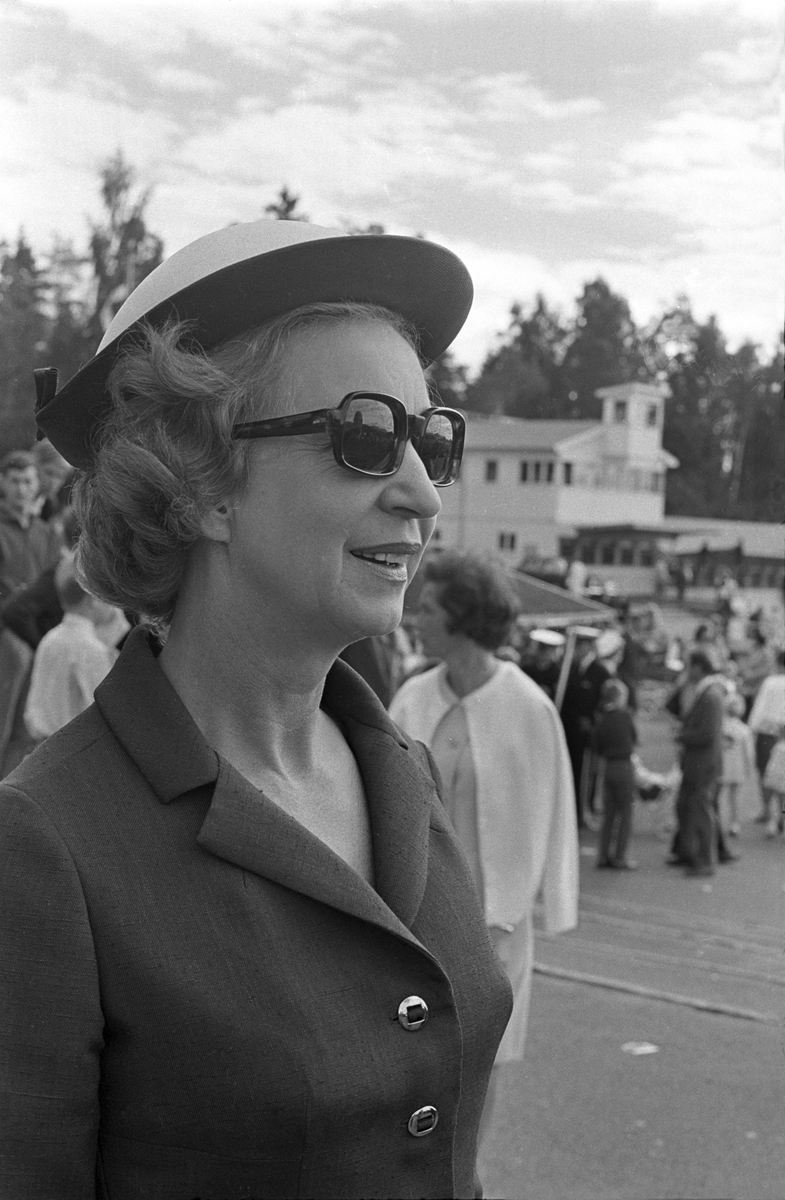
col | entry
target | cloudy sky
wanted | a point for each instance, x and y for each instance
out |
(545, 141)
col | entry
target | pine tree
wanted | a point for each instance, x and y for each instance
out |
(284, 208)
(447, 381)
(523, 376)
(604, 349)
(23, 330)
(122, 250)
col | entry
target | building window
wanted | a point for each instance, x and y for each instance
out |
(491, 470)
(537, 471)
(507, 541)
(620, 412)
(568, 474)
(656, 481)
(647, 556)
(652, 415)
(626, 554)
(589, 553)
(524, 472)
(608, 554)
(549, 472)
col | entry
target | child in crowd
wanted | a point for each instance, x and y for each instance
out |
(615, 738)
(738, 760)
(774, 787)
(71, 659)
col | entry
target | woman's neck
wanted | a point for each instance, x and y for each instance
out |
(255, 698)
(469, 666)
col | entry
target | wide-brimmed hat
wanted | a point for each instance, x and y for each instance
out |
(239, 277)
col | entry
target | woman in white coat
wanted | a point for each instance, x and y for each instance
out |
(499, 745)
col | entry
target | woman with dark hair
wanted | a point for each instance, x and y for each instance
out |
(499, 746)
(241, 954)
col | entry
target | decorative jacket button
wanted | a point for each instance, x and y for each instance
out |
(413, 1012)
(424, 1121)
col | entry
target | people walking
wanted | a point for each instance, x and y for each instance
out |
(765, 721)
(500, 750)
(700, 740)
(615, 739)
(579, 707)
(738, 761)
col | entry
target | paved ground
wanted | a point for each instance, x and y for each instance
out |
(693, 968)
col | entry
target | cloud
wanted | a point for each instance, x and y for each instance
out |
(512, 97)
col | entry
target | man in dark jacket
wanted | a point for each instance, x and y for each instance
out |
(701, 765)
(581, 702)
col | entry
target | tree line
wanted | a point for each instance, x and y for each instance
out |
(724, 416)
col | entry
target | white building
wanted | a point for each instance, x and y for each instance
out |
(528, 486)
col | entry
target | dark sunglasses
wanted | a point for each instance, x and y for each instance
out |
(369, 432)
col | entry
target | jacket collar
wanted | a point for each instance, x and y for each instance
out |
(245, 827)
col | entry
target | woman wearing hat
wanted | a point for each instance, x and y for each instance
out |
(241, 951)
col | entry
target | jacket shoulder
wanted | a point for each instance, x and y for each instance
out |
(65, 756)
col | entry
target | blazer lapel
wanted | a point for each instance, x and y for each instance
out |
(246, 828)
(399, 795)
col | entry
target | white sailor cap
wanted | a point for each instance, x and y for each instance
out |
(546, 637)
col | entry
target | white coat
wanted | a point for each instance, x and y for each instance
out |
(527, 828)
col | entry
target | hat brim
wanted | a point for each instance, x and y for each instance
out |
(422, 281)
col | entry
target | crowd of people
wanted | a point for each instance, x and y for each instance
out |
(57, 642)
(724, 690)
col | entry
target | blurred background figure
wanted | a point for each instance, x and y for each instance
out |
(499, 747)
(541, 658)
(34, 610)
(700, 738)
(765, 721)
(755, 662)
(28, 546)
(615, 739)
(579, 707)
(71, 659)
(27, 543)
(55, 476)
(774, 786)
(738, 762)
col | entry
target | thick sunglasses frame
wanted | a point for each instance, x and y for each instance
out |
(334, 421)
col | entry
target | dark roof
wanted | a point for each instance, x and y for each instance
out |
(556, 605)
(546, 603)
(514, 433)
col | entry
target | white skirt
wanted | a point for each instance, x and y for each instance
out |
(516, 951)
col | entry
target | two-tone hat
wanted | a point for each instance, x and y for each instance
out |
(239, 277)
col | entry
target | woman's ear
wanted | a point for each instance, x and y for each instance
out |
(216, 524)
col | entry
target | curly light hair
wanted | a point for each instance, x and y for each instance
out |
(165, 455)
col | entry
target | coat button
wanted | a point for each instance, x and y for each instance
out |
(413, 1012)
(424, 1121)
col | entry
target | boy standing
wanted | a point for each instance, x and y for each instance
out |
(615, 738)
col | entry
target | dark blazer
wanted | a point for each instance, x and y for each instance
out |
(701, 738)
(198, 998)
(582, 699)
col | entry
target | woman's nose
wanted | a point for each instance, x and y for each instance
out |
(411, 489)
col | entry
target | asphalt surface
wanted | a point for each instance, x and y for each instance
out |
(655, 1063)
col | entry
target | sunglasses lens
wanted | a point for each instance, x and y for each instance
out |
(436, 448)
(368, 438)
